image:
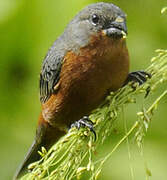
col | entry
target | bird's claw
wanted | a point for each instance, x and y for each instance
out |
(140, 77)
(85, 122)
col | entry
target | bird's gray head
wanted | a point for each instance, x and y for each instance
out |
(99, 17)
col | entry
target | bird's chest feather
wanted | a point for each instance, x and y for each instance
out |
(86, 78)
(103, 65)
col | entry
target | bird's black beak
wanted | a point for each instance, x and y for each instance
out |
(117, 28)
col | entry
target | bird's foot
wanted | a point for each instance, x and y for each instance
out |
(85, 122)
(139, 77)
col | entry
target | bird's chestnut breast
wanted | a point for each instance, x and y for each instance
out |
(86, 77)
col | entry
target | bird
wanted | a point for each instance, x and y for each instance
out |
(87, 61)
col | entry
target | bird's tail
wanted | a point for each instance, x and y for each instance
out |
(46, 136)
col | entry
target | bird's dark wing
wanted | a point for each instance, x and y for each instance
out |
(50, 73)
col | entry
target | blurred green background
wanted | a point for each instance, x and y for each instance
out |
(27, 30)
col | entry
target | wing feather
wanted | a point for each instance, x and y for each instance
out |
(50, 73)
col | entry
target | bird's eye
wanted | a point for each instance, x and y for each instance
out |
(95, 19)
